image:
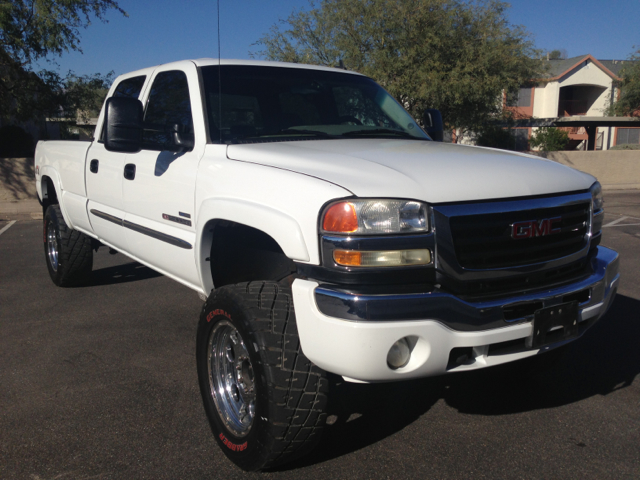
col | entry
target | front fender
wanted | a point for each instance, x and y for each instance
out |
(284, 229)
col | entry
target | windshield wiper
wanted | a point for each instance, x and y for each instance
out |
(378, 131)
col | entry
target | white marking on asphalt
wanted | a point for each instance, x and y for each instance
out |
(7, 227)
(615, 222)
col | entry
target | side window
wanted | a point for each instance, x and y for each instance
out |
(168, 112)
(129, 87)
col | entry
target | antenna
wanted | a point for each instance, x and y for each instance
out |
(219, 80)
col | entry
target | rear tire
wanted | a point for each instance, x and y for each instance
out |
(67, 252)
(264, 399)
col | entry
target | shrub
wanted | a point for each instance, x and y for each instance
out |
(496, 137)
(626, 146)
(549, 139)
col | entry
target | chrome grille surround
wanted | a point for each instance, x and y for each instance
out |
(479, 257)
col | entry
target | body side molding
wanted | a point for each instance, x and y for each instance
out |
(177, 242)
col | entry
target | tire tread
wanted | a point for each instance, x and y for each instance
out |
(297, 388)
(75, 254)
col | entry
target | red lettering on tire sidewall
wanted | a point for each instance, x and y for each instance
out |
(215, 313)
(233, 446)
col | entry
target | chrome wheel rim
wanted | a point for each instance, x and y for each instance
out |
(52, 246)
(231, 378)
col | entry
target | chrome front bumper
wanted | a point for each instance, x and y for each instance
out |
(350, 335)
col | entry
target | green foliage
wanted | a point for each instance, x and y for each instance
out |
(549, 139)
(454, 55)
(626, 146)
(628, 104)
(15, 142)
(35, 29)
(496, 137)
(555, 55)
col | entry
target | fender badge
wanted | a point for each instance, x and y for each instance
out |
(181, 221)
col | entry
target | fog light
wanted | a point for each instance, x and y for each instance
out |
(399, 354)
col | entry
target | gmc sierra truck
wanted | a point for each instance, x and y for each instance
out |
(328, 233)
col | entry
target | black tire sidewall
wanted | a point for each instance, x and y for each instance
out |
(51, 216)
(249, 452)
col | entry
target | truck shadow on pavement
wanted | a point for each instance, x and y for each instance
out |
(128, 272)
(605, 359)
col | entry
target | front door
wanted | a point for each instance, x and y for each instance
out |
(159, 182)
(103, 173)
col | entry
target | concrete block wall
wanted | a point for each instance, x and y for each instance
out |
(615, 169)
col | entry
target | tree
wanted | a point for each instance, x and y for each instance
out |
(31, 30)
(496, 137)
(557, 54)
(549, 139)
(629, 102)
(454, 55)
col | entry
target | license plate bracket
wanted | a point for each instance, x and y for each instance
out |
(555, 324)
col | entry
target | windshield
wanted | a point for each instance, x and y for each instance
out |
(267, 104)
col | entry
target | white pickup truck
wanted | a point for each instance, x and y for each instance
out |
(328, 233)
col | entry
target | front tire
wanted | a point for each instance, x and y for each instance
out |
(264, 399)
(68, 252)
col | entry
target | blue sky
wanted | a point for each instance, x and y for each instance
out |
(161, 31)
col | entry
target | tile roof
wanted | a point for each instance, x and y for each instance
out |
(558, 67)
(615, 65)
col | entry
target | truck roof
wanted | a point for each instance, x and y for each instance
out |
(205, 62)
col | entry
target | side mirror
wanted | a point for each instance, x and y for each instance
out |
(433, 124)
(184, 141)
(123, 120)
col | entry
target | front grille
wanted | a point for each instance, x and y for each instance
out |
(483, 241)
(474, 290)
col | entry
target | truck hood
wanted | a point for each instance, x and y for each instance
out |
(430, 171)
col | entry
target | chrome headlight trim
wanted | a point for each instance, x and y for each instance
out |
(596, 197)
(383, 216)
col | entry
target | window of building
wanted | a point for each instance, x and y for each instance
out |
(521, 98)
(628, 135)
(168, 110)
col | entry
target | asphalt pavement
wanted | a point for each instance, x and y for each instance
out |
(100, 382)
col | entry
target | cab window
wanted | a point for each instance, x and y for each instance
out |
(168, 112)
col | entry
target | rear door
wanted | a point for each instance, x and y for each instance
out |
(104, 173)
(159, 182)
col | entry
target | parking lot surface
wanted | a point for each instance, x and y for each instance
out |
(100, 382)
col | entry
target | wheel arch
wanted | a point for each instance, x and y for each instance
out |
(248, 237)
(51, 190)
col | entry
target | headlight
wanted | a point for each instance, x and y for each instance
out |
(596, 196)
(375, 217)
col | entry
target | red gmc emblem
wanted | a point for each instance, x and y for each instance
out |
(535, 228)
